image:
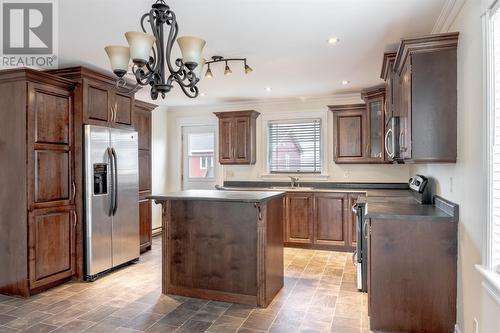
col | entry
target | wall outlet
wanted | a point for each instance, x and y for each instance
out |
(346, 174)
(475, 326)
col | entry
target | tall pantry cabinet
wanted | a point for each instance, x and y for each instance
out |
(37, 198)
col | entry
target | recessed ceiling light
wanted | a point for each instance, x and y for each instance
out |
(333, 40)
(269, 88)
(345, 82)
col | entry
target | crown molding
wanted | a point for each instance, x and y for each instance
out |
(347, 98)
(448, 14)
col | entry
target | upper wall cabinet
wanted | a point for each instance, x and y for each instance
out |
(358, 129)
(101, 103)
(349, 133)
(375, 116)
(426, 70)
(237, 137)
(388, 74)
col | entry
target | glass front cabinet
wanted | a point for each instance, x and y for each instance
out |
(375, 104)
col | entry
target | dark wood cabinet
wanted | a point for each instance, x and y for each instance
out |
(318, 220)
(299, 217)
(141, 120)
(237, 137)
(349, 134)
(375, 128)
(100, 102)
(330, 219)
(51, 245)
(37, 198)
(426, 68)
(412, 275)
(388, 74)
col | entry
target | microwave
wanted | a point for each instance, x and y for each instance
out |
(393, 139)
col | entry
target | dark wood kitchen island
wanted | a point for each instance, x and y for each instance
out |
(223, 245)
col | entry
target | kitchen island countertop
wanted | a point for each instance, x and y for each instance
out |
(214, 195)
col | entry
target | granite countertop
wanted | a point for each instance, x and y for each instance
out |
(369, 192)
(214, 195)
(405, 209)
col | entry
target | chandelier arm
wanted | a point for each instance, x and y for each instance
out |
(172, 36)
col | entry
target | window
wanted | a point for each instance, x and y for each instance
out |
(294, 146)
(201, 154)
(494, 138)
(205, 162)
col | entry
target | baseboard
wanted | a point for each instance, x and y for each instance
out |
(457, 329)
(156, 231)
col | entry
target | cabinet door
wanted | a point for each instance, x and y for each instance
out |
(145, 226)
(242, 139)
(329, 219)
(389, 95)
(226, 137)
(142, 124)
(349, 137)
(299, 218)
(98, 104)
(144, 170)
(405, 107)
(376, 127)
(352, 219)
(50, 145)
(51, 244)
(122, 109)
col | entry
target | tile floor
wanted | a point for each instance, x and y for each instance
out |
(319, 296)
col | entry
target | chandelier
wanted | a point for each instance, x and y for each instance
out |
(151, 56)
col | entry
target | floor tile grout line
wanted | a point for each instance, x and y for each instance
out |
(317, 287)
(295, 286)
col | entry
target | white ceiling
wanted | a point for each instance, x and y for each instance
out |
(284, 41)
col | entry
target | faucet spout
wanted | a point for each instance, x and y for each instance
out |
(294, 181)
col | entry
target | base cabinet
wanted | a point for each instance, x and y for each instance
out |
(318, 220)
(412, 279)
(329, 219)
(299, 217)
(51, 245)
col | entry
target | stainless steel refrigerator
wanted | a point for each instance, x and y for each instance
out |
(111, 199)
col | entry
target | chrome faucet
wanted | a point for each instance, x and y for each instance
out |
(294, 181)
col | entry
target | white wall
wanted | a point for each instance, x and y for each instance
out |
(464, 181)
(203, 115)
(159, 159)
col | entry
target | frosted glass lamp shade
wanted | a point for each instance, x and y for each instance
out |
(191, 49)
(197, 71)
(140, 44)
(119, 57)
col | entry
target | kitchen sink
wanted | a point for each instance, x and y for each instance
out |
(289, 188)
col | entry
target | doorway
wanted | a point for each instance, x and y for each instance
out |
(198, 157)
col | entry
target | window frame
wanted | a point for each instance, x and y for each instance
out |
(491, 277)
(295, 116)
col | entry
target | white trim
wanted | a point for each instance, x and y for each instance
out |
(491, 282)
(457, 329)
(347, 98)
(277, 116)
(181, 122)
(448, 14)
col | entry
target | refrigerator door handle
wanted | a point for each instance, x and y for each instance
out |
(112, 181)
(115, 180)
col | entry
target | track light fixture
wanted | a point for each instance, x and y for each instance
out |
(227, 69)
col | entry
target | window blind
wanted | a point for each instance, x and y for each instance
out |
(295, 146)
(495, 152)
